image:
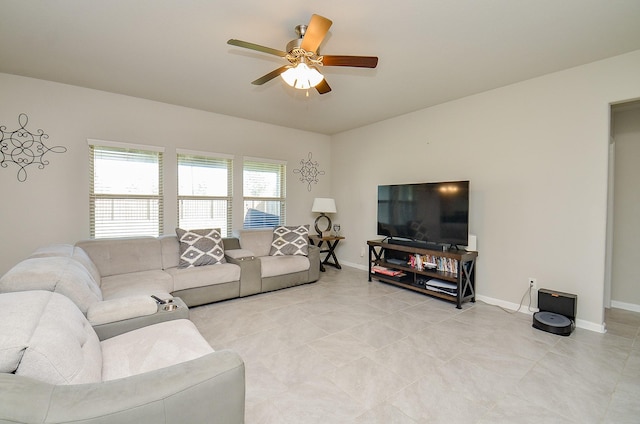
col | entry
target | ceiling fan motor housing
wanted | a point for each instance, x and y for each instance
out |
(294, 44)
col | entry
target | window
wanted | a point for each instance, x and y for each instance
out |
(125, 198)
(264, 193)
(205, 194)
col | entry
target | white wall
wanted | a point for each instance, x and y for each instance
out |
(52, 205)
(535, 152)
(536, 155)
(625, 291)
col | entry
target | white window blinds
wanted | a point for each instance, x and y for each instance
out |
(125, 191)
(264, 193)
(205, 192)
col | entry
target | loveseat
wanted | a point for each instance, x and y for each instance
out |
(112, 280)
(54, 369)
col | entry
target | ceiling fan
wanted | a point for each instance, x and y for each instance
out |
(302, 54)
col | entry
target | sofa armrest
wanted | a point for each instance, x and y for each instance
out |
(114, 328)
(250, 270)
(314, 263)
(231, 243)
(239, 254)
(120, 309)
(210, 389)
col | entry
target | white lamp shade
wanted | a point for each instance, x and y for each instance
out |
(302, 77)
(324, 205)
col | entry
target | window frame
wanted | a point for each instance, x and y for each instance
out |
(212, 158)
(96, 146)
(281, 197)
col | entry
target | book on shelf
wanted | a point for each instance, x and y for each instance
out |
(377, 269)
(447, 265)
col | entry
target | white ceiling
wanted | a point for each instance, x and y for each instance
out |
(431, 51)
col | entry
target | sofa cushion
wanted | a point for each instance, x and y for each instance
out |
(43, 335)
(81, 256)
(17, 326)
(187, 278)
(58, 274)
(290, 241)
(152, 347)
(170, 251)
(256, 240)
(279, 265)
(56, 249)
(156, 282)
(69, 251)
(200, 247)
(125, 255)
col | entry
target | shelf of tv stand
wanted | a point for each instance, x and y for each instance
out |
(414, 287)
(442, 275)
(464, 278)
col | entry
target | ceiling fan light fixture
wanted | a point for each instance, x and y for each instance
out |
(302, 76)
(302, 54)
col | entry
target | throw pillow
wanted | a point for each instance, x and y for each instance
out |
(290, 241)
(200, 247)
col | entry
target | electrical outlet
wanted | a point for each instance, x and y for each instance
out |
(362, 252)
(533, 283)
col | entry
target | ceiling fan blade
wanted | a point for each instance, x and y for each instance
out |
(271, 75)
(257, 47)
(315, 33)
(355, 61)
(323, 87)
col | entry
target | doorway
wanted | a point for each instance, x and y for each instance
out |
(622, 281)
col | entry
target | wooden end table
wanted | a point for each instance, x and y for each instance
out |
(332, 242)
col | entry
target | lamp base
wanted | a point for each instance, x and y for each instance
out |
(318, 230)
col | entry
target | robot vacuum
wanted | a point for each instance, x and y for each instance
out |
(557, 312)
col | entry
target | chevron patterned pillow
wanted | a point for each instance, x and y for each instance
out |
(200, 247)
(290, 241)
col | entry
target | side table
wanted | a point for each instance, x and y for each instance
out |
(332, 242)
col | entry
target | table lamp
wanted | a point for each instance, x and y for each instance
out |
(323, 206)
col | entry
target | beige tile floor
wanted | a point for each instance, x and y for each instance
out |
(343, 350)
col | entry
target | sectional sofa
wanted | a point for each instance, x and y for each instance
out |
(86, 335)
(112, 281)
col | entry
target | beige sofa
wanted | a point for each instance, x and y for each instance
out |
(54, 369)
(263, 271)
(112, 281)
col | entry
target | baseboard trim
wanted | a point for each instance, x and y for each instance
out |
(506, 305)
(357, 266)
(592, 326)
(626, 306)
(587, 325)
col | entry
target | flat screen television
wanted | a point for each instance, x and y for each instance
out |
(425, 212)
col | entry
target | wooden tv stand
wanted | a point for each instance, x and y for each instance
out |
(457, 267)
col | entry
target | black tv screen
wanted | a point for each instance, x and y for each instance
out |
(426, 212)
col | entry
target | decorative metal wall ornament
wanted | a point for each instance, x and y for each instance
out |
(24, 148)
(308, 171)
